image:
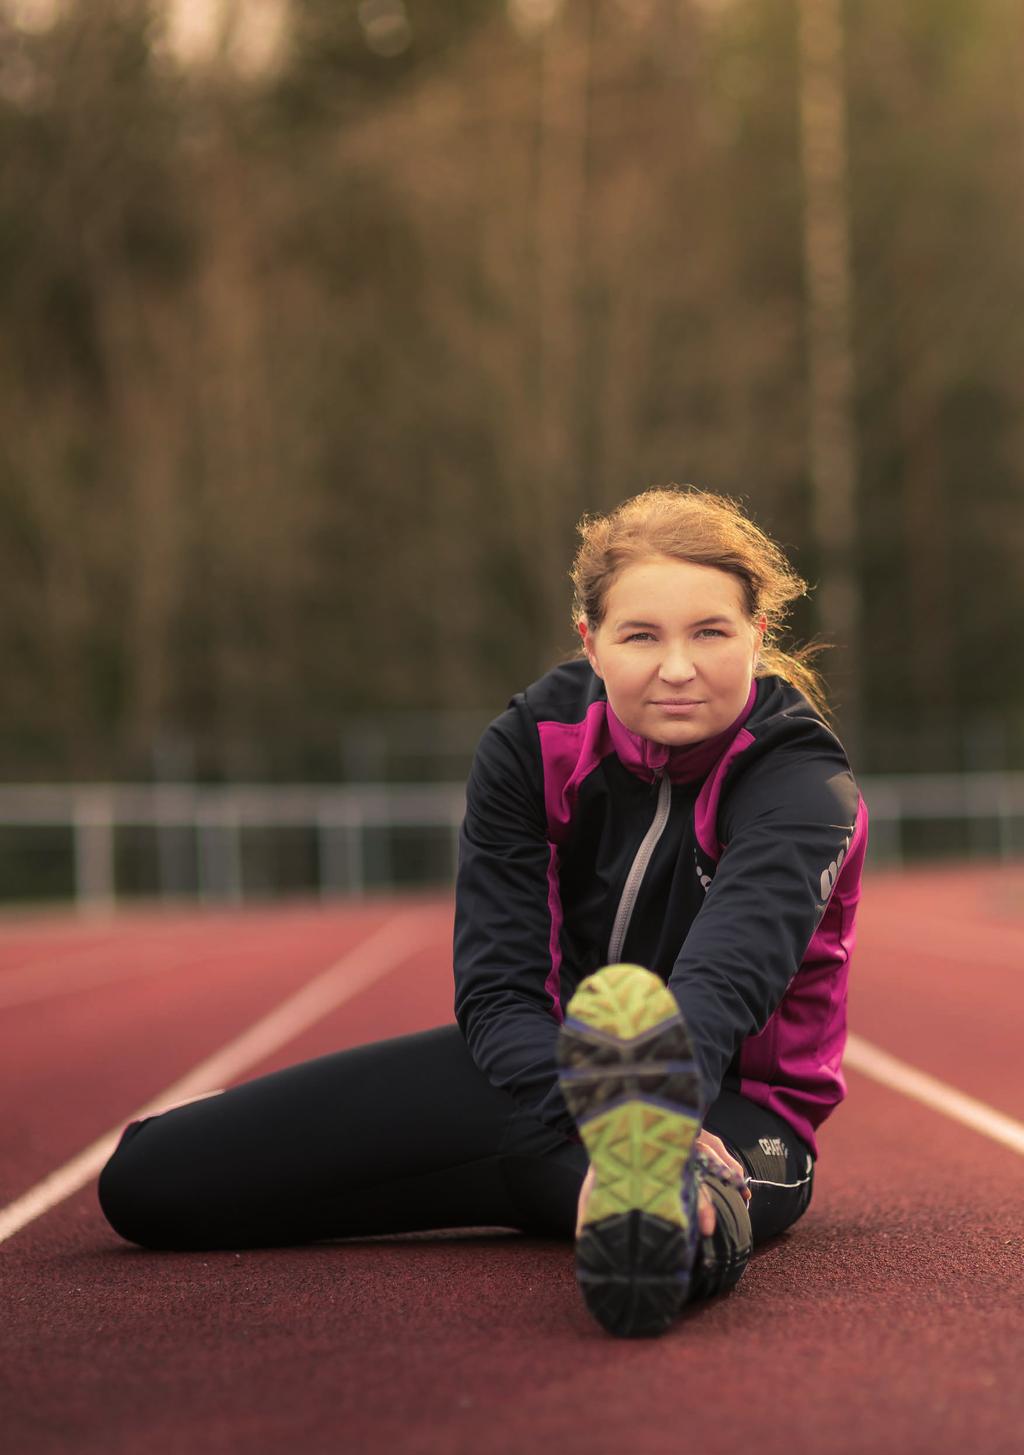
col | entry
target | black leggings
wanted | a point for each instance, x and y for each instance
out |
(400, 1136)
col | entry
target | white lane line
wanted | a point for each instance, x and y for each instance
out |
(382, 952)
(870, 1061)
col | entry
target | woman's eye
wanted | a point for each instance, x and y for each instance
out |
(706, 631)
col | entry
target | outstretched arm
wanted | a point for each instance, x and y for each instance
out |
(507, 919)
(788, 829)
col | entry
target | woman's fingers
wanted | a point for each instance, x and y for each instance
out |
(718, 1157)
(705, 1212)
(715, 1155)
(581, 1206)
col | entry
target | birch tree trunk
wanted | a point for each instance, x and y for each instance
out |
(831, 426)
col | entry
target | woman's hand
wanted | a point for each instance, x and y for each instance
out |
(581, 1206)
(732, 1170)
(716, 1152)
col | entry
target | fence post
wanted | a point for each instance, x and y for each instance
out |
(93, 822)
(339, 853)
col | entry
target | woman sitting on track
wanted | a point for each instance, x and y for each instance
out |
(670, 799)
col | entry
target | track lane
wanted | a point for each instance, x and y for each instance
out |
(121, 1044)
(936, 979)
(889, 1319)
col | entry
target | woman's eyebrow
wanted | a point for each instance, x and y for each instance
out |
(654, 626)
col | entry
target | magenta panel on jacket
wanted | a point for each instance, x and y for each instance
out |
(793, 1066)
(570, 752)
(705, 810)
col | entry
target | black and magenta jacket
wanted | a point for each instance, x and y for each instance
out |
(731, 868)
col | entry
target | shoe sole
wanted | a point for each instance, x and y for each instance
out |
(628, 1075)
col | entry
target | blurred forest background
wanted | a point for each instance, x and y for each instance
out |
(321, 324)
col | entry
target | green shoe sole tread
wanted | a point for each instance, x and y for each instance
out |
(628, 1075)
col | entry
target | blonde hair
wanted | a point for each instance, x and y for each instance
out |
(709, 530)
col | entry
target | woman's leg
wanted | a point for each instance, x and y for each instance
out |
(400, 1135)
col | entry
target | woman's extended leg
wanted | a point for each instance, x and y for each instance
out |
(404, 1135)
(629, 1073)
(396, 1136)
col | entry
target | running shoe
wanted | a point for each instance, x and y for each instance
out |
(629, 1077)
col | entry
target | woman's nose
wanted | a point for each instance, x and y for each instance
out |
(676, 666)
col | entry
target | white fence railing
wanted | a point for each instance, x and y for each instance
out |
(340, 822)
(217, 818)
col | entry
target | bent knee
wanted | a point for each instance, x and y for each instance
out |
(121, 1188)
(131, 1195)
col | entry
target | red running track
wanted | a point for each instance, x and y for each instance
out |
(891, 1319)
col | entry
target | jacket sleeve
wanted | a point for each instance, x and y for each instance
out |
(507, 920)
(790, 817)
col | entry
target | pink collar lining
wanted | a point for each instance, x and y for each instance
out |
(684, 765)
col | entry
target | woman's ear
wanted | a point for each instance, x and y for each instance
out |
(588, 644)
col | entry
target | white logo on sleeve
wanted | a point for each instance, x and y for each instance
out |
(831, 874)
(705, 879)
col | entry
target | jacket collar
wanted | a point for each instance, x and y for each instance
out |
(649, 760)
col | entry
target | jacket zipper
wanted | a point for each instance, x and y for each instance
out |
(634, 878)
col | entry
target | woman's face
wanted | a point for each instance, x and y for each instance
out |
(676, 649)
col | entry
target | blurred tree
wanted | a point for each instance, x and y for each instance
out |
(95, 241)
(308, 368)
(939, 228)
